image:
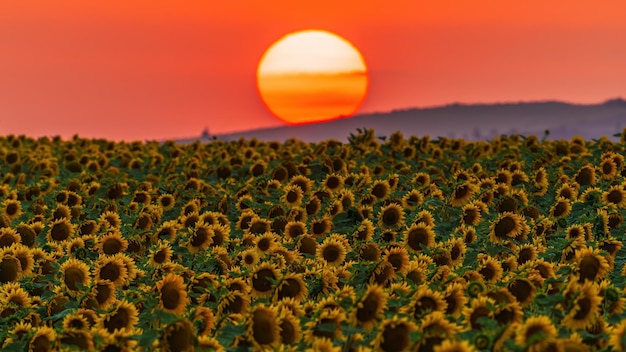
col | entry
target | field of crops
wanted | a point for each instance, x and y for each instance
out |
(379, 244)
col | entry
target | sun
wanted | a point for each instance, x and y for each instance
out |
(312, 76)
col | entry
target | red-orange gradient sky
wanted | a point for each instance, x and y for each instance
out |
(156, 69)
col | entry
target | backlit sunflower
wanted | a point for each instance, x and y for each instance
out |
(331, 251)
(394, 334)
(419, 236)
(369, 309)
(585, 307)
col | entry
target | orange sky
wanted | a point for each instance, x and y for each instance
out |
(156, 69)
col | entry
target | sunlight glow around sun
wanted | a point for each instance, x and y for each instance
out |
(312, 76)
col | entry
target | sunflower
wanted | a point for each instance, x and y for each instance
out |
(434, 329)
(585, 307)
(293, 229)
(236, 302)
(508, 225)
(290, 330)
(327, 325)
(480, 307)
(586, 175)
(80, 339)
(380, 189)
(419, 236)
(111, 268)
(561, 208)
(462, 194)
(510, 314)
(333, 183)
(456, 249)
(370, 251)
(200, 238)
(332, 251)
(74, 272)
(307, 244)
(178, 336)
(112, 243)
(321, 226)
(60, 230)
(12, 208)
(398, 257)
(394, 334)
(207, 320)
(313, 206)
(43, 339)
(615, 196)
(369, 309)
(449, 345)
(259, 279)
(426, 301)
(166, 201)
(292, 195)
(110, 219)
(617, 338)
(10, 266)
(608, 169)
(292, 286)
(472, 212)
(263, 327)
(102, 295)
(534, 330)
(160, 254)
(455, 298)
(123, 318)
(391, 216)
(172, 294)
(590, 264)
(9, 236)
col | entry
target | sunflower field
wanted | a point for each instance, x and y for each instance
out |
(375, 244)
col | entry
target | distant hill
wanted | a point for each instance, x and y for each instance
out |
(468, 121)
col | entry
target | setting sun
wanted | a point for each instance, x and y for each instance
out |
(312, 76)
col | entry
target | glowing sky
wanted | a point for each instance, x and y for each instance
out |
(154, 69)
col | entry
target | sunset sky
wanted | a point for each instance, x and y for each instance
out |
(155, 69)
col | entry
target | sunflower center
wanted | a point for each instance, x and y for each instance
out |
(118, 321)
(589, 267)
(391, 217)
(584, 307)
(615, 196)
(159, 256)
(478, 313)
(331, 253)
(103, 293)
(170, 296)
(287, 332)
(425, 304)
(180, 338)
(111, 246)
(60, 232)
(505, 226)
(199, 237)
(110, 272)
(521, 290)
(369, 308)
(263, 327)
(264, 244)
(290, 288)
(395, 337)
(261, 281)
(72, 277)
(9, 268)
(417, 238)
